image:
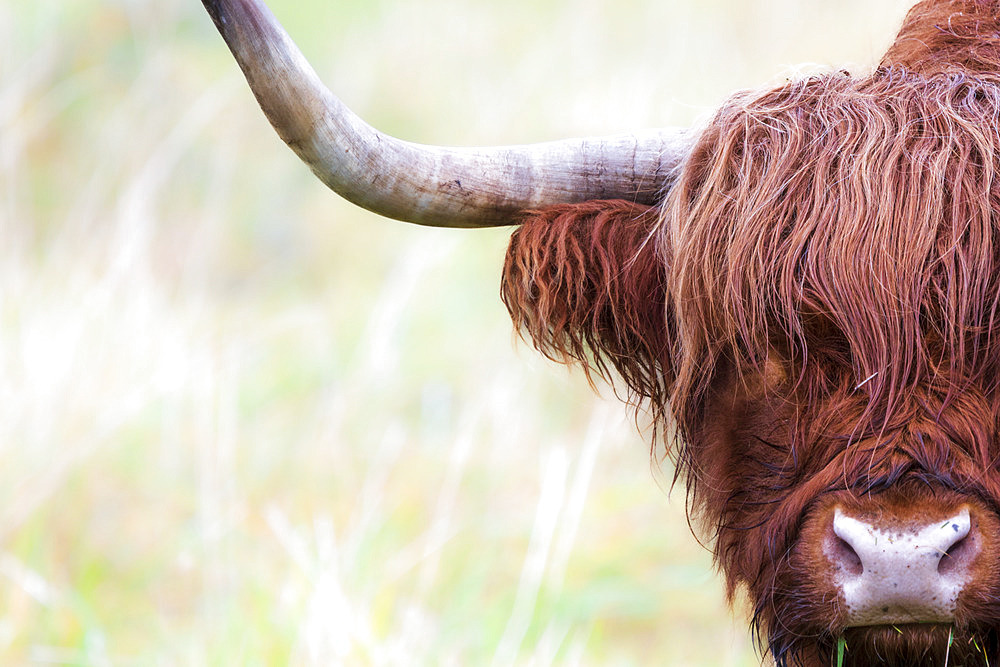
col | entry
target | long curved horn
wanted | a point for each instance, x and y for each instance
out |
(430, 185)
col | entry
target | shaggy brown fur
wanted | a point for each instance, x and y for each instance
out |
(588, 277)
(816, 307)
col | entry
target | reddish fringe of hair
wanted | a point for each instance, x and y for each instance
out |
(848, 225)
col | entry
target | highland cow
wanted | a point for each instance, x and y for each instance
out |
(805, 292)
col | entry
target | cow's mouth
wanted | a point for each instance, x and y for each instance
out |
(918, 644)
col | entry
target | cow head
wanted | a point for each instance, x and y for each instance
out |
(805, 293)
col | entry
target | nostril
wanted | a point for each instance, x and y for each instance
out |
(959, 555)
(848, 535)
(844, 556)
(955, 558)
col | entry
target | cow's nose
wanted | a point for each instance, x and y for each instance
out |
(901, 573)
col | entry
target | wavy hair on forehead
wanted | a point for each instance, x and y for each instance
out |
(848, 225)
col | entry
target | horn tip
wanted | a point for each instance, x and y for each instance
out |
(236, 15)
(217, 10)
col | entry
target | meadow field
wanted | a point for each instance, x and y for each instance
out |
(245, 423)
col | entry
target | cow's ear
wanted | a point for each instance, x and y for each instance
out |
(586, 283)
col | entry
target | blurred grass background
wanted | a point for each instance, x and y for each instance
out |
(243, 422)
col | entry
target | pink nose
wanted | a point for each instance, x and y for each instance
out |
(901, 573)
